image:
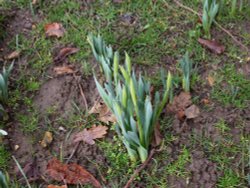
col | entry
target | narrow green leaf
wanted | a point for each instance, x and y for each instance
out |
(143, 153)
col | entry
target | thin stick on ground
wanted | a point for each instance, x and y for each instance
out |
(138, 170)
(216, 23)
(83, 96)
(82, 93)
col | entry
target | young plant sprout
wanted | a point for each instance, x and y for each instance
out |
(210, 10)
(221, 7)
(130, 99)
(3, 181)
(186, 68)
(234, 6)
(4, 84)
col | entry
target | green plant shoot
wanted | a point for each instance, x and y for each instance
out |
(186, 69)
(4, 84)
(210, 10)
(130, 99)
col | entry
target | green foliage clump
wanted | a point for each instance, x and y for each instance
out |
(4, 84)
(3, 181)
(129, 98)
(4, 157)
(210, 10)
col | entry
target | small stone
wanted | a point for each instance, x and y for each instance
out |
(16, 147)
(47, 139)
(62, 129)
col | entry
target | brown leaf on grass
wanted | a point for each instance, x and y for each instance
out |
(47, 139)
(57, 186)
(91, 134)
(13, 55)
(179, 104)
(64, 52)
(104, 114)
(63, 70)
(212, 45)
(70, 173)
(192, 112)
(54, 30)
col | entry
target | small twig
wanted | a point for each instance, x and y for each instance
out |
(83, 96)
(229, 34)
(216, 23)
(187, 8)
(138, 170)
(82, 93)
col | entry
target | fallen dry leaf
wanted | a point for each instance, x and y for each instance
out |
(54, 30)
(70, 173)
(91, 134)
(192, 112)
(212, 45)
(64, 52)
(13, 55)
(179, 104)
(57, 186)
(104, 114)
(210, 80)
(47, 139)
(63, 70)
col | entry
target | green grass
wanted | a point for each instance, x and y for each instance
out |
(231, 88)
(178, 167)
(222, 126)
(229, 157)
(29, 122)
(4, 157)
(230, 179)
(119, 165)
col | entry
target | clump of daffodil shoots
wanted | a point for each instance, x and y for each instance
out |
(129, 98)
